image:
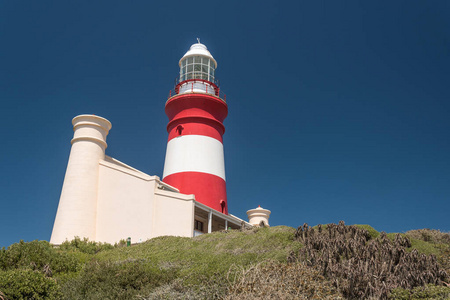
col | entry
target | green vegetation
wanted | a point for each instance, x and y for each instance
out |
(265, 263)
(421, 292)
(27, 284)
(372, 232)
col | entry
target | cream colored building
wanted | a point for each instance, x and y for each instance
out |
(105, 200)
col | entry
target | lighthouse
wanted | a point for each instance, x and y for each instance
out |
(194, 161)
(106, 200)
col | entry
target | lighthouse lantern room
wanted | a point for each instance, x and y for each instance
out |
(197, 71)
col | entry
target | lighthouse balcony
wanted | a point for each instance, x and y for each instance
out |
(197, 86)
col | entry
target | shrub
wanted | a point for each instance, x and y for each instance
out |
(421, 292)
(211, 288)
(37, 255)
(372, 232)
(430, 235)
(116, 280)
(121, 243)
(84, 246)
(274, 280)
(28, 284)
(362, 268)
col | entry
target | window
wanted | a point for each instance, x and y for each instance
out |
(198, 225)
(197, 67)
(179, 129)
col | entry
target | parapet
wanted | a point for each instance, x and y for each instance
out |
(92, 128)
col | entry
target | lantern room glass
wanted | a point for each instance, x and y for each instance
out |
(197, 67)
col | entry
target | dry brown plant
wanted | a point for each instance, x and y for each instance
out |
(274, 280)
(47, 271)
(362, 268)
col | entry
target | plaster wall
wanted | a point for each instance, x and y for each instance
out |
(256, 220)
(173, 214)
(125, 204)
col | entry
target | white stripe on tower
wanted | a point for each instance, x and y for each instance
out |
(194, 153)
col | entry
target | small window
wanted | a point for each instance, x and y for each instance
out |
(198, 225)
(223, 203)
(180, 129)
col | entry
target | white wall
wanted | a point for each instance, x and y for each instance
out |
(173, 214)
(76, 215)
(125, 204)
(133, 204)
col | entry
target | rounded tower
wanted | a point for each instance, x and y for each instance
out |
(77, 209)
(194, 159)
(258, 215)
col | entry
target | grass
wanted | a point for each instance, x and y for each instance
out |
(211, 254)
(217, 265)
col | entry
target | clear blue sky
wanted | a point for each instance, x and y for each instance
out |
(338, 110)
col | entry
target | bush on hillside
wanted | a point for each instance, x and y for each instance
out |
(116, 280)
(421, 292)
(27, 284)
(37, 255)
(432, 241)
(362, 267)
(85, 246)
(430, 235)
(274, 280)
(372, 232)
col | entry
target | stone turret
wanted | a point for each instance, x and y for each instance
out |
(258, 215)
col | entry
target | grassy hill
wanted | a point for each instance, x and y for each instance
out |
(324, 262)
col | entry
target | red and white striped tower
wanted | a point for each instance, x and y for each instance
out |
(194, 159)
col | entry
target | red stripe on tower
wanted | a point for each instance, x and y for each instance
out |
(194, 158)
(214, 195)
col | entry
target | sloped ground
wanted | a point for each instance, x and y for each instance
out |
(262, 263)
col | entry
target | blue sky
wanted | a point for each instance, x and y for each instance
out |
(338, 110)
